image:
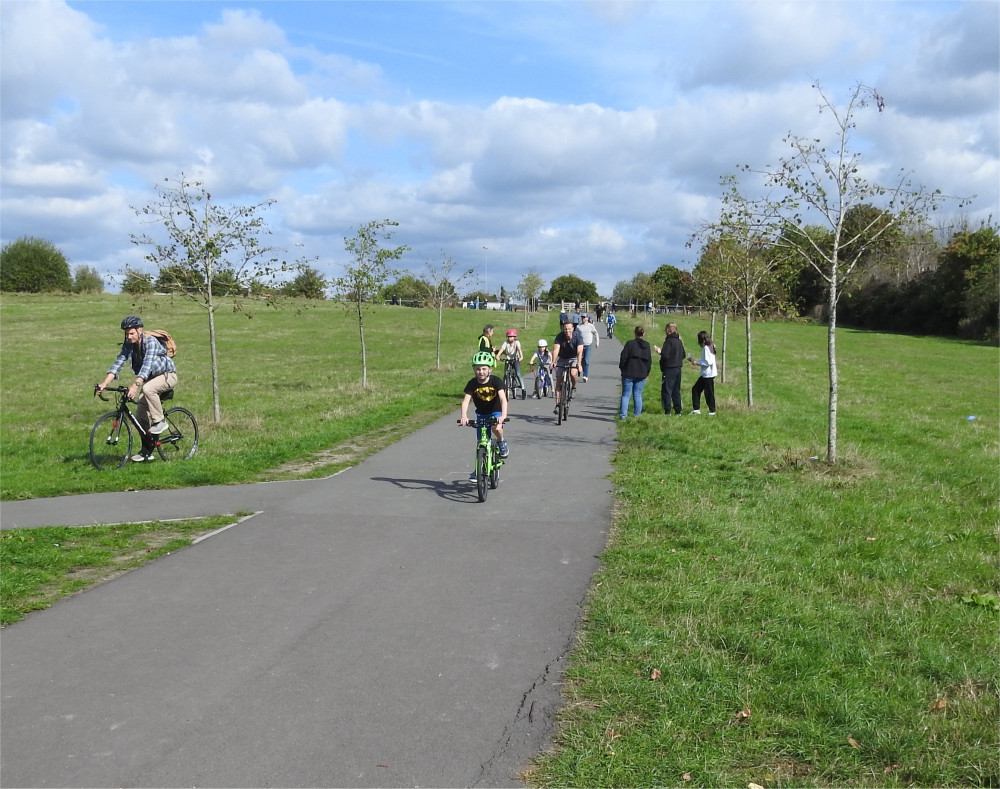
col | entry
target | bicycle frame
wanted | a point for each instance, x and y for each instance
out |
(123, 412)
(544, 375)
(488, 460)
(178, 442)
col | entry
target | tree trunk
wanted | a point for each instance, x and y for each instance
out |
(364, 355)
(749, 363)
(725, 338)
(215, 363)
(440, 318)
(831, 347)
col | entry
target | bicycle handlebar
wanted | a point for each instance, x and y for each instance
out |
(100, 394)
(493, 421)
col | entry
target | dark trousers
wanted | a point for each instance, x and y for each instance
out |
(670, 390)
(706, 385)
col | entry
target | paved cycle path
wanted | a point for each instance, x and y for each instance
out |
(381, 627)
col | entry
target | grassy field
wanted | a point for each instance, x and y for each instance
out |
(763, 618)
(759, 617)
(292, 403)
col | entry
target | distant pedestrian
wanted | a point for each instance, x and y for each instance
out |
(671, 362)
(706, 381)
(635, 362)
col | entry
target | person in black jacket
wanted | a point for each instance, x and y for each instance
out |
(671, 361)
(635, 362)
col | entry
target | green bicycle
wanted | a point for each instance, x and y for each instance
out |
(488, 460)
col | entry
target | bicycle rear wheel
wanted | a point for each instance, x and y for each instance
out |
(482, 471)
(180, 440)
(110, 442)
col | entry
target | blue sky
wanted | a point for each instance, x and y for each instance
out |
(566, 137)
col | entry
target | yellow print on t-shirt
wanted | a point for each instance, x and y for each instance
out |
(486, 392)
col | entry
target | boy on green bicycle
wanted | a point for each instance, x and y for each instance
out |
(489, 395)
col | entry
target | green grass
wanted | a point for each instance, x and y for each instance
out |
(40, 566)
(289, 386)
(851, 611)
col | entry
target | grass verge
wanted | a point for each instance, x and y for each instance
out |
(290, 386)
(40, 566)
(763, 618)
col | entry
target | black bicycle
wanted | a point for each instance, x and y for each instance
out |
(510, 381)
(113, 437)
(565, 388)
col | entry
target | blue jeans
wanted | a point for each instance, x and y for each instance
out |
(631, 389)
(586, 359)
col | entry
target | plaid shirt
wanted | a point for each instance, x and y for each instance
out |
(148, 361)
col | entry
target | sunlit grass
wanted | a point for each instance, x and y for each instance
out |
(762, 617)
(290, 383)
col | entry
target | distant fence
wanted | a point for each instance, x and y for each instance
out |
(569, 307)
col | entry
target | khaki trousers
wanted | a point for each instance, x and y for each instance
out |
(149, 410)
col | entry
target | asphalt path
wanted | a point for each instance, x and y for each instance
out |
(380, 627)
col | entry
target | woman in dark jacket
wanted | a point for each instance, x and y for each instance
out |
(635, 363)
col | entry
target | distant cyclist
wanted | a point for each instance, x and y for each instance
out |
(512, 351)
(155, 373)
(568, 351)
(486, 391)
(611, 321)
(542, 359)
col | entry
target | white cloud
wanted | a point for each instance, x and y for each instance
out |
(600, 153)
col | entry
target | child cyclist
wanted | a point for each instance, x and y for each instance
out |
(488, 394)
(543, 359)
(512, 352)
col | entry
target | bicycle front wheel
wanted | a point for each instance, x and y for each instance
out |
(482, 472)
(180, 440)
(110, 442)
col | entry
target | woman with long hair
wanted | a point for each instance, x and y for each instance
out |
(706, 379)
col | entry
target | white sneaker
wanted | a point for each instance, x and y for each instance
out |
(584, 378)
(711, 413)
(141, 458)
(696, 411)
(158, 427)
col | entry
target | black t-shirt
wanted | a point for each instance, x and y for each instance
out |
(485, 396)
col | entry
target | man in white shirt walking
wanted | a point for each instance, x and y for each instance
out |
(591, 340)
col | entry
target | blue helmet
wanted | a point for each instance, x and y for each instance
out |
(131, 322)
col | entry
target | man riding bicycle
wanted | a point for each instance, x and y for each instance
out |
(155, 373)
(567, 348)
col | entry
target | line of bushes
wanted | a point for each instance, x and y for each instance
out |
(960, 298)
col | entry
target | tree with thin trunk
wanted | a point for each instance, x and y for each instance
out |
(711, 290)
(208, 244)
(364, 278)
(442, 290)
(744, 265)
(825, 181)
(530, 287)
